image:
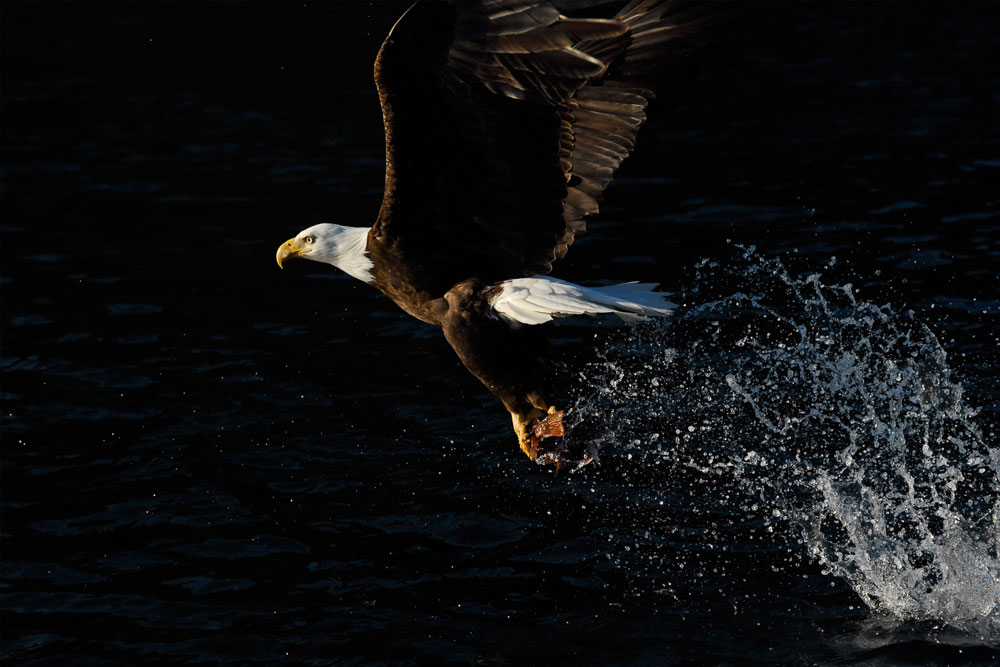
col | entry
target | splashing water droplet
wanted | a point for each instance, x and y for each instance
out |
(840, 418)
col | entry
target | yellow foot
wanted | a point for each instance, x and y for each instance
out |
(522, 422)
(534, 426)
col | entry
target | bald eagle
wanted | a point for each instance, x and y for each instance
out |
(505, 120)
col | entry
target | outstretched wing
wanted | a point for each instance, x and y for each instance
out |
(505, 120)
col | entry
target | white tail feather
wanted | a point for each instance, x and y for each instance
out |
(541, 299)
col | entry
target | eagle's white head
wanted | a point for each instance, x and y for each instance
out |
(344, 247)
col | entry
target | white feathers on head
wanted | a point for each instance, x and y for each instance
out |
(343, 247)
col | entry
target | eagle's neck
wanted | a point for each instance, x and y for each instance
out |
(348, 251)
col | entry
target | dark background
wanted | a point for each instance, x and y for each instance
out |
(209, 461)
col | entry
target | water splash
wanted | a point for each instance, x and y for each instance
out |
(839, 417)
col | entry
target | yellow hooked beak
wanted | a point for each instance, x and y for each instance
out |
(289, 249)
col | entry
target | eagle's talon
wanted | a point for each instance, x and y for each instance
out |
(540, 435)
(535, 428)
(529, 444)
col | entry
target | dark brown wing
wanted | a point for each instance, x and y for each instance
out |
(504, 124)
(603, 117)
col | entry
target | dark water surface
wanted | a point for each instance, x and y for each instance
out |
(208, 461)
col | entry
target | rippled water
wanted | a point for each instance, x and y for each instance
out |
(209, 461)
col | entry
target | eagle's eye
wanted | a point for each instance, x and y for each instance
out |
(308, 239)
